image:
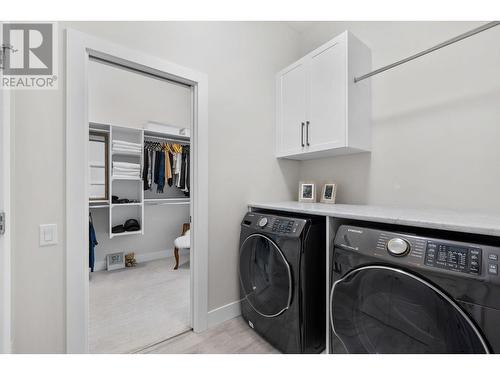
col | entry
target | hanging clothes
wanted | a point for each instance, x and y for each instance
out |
(151, 168)
(184, 176)
(161, 172)
(178, 165)
(188, 174)
(92, 244)
(168, 164)
(145, 169)
(174, 169)
(157, 169)
(171, 171)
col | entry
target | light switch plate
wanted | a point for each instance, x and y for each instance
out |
(48, 234)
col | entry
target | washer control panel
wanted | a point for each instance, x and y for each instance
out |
(284, 226)
(397, 246)
(453, 257)
(273, 224)
(262, 222)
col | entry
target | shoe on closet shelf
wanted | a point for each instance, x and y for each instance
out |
(132, 225)
(116, 200)
(118, 229)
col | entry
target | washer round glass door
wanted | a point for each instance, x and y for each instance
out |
(265, 276)
(380, 309)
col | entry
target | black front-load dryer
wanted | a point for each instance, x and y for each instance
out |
(398, 292)
(282, 270)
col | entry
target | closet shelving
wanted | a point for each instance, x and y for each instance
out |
(132, 187)
(126, 204)
(126, 187)
(95, 206)
(166, 201)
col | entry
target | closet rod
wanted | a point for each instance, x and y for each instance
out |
(458, 38)
(177, 140)
(167, 203)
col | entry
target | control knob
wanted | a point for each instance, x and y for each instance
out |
(262, 222)
(398, 246)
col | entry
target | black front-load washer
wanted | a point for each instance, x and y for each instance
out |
(397, 292)
(282, 272)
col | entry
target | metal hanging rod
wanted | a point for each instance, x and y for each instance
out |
(458, 38)
(176, 140)
(167, 203)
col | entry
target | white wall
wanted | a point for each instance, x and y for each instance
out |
(128, 98)
(240, 60)
(124, 97)
(436, 119)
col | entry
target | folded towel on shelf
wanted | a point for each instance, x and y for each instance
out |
(125, 177)
(126, 170)
(134, 170)
(128, 174)
(125, 165)
(126, 144)
(131, 150)
(122, 146)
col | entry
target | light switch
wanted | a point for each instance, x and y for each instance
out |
(48, 234)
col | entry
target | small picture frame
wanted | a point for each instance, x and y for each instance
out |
(329, 193)
(115, 261)
(307, 192)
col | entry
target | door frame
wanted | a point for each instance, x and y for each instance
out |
(79, 48)
(5, 240)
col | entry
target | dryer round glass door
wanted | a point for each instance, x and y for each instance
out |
(380, 309)
(265, 276)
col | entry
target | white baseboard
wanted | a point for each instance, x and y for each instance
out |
(144, 257)
(223, 313)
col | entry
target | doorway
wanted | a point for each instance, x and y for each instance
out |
(81, 49)
(139, 159)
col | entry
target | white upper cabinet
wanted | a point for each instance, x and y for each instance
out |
(320, 110)
(293, 101)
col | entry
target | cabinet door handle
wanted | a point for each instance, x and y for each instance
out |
(307, 133)
(302, 134)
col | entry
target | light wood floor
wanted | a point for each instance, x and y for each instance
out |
(135, 307)
(231, 337)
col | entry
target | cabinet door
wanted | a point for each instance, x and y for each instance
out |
(292, 110)
(327, 98)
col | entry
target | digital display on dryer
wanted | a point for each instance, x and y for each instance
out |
(455, 258)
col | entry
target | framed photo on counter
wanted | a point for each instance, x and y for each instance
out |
(329, 193)
(307, 192)
(115, 261)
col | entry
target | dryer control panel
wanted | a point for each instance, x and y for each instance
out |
(468, 259)
(453, 257)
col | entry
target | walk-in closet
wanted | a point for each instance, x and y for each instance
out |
(139, 208)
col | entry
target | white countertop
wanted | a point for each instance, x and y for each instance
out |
(467, 222)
